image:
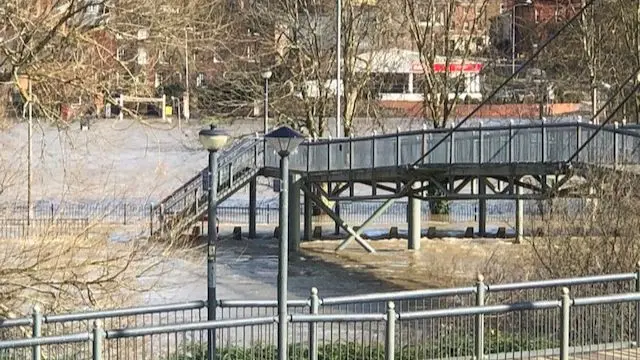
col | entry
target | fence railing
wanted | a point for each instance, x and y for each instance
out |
(558, 326)
(20, 228)
(111, 212)
(182, 207)
(542, 325)
(71, 217)
(542, 143)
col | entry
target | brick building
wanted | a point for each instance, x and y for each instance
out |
(534, 21)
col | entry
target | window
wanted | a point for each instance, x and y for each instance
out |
(120, 54)
(435, 18)
(200, 80)
(389, 83)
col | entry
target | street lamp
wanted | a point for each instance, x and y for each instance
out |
(513, 33)
(212, 139)
(266, 76)
(284, 140)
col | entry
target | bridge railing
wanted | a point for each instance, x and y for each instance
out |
(560, 326)
(528, 143)
(233, 161)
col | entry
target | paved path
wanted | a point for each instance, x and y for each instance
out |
(247, 269)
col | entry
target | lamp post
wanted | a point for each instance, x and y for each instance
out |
(212, 139)
(284, 141)
(266, 76)
(513, 33)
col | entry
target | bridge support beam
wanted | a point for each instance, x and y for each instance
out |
(294, 214)
(413, 219)
(519, 216)
(336, 218)
(376, 214)
(252, 208)
(308, 218)
(482, 206)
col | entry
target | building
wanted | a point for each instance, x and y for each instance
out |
(533, 21)
(397, 75)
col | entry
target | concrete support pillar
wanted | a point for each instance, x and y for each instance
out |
(308, 218)
(252, 208)
(413, 219)
(482, 206)
(294, 214)
(519, 217)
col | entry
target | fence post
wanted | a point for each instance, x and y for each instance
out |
(424, 141)
(398, 147)
(615, 144)
(543, 141)
(36, 330)
(637, 334)
(313, 327)
(479, 338)
(151, 219)
(51, 212)
(452, 147)
(124, 211)
(268, 213)
(373, 150)
(566, 324)
(511, 157)
(480, 144)
(161, 219)
(578, 139)
(389, 345)
(98, 338)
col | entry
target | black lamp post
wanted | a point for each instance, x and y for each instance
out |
(266, 76)
(284, 141)
(212, 139)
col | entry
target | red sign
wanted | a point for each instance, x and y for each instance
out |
(453, 68)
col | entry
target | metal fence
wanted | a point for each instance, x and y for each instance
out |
(72, 217)
(498, 211)
(106, 211)
(20, 228)
(561, 325)
(543, 142)
(442, 323)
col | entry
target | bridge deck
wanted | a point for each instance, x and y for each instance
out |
(508, 152)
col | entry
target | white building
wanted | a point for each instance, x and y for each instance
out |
(398, 74)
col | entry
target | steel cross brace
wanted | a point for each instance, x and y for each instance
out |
(318, 201)
(373, 216)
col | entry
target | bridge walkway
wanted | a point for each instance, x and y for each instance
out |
(532, 160)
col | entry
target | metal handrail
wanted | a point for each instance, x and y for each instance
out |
(224, 159)
(230, 156)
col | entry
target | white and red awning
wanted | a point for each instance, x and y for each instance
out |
(468, 67)
(401, 61)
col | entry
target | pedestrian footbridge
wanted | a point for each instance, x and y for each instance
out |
(533, 161)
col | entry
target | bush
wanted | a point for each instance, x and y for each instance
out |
(453, 346)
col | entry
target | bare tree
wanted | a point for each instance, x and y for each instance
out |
(444, 33)
(367, 27)
(594, 234)
(84, 50)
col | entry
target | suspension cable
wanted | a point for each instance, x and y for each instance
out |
(610, 116)
(504, 83)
